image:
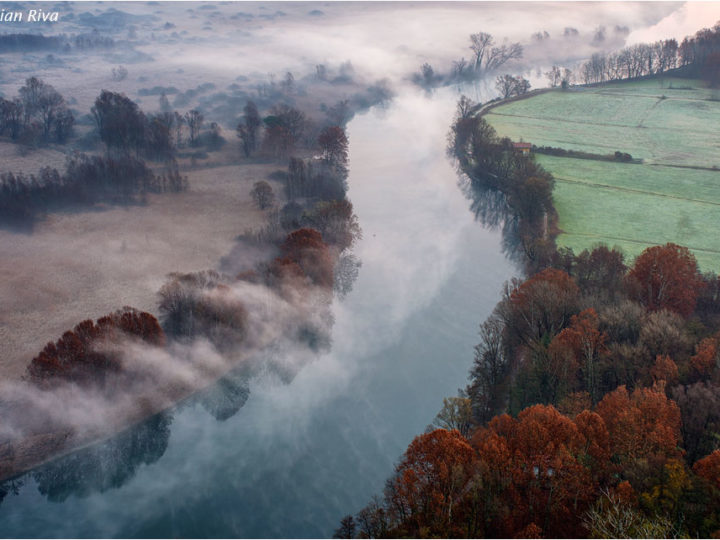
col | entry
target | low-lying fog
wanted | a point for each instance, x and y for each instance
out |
(298, 456)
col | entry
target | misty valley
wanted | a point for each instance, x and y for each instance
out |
(359, 270)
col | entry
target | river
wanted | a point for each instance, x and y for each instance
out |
(299, 456)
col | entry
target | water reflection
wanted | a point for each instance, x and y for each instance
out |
(225, 398)
(107, 465)
(489, 206)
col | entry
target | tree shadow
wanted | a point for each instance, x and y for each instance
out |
(107, 465)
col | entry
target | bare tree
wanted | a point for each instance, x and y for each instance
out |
(480, 44)
(487, 57)
(554, 76)
(194, 120)
(509, 86)
(179, 123)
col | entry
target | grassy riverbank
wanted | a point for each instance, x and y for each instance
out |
(672, 196)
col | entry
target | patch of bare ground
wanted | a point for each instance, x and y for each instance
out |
(84, 264)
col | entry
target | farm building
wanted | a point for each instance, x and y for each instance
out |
(523, 147)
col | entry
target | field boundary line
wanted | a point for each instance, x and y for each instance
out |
(632, 190)
(603, 124)
(633, 241)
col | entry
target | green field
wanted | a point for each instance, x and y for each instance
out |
(671, 126)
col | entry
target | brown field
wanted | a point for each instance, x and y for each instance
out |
(80, 265)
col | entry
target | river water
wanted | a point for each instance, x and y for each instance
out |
(299, 456)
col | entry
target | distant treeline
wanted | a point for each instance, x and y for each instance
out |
(38, 114)
(698, 56)
(87, 180)
(59, 43)
(487, 57)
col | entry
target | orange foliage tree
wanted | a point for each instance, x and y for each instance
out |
(709, 468)
(306, 247)
(543, 468)
(585, 343)
(644, 429)
(430, 483)
(667, 277)
(74, 356)
(705, 361)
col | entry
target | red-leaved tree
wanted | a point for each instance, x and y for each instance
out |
(667, 277)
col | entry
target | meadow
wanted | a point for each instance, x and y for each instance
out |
(673, 196)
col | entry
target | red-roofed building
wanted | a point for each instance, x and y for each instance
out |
(523, 147)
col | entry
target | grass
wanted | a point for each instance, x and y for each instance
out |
(672, 197)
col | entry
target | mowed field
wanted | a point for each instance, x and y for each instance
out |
(673, 196)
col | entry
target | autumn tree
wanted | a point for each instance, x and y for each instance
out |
(76, 356)
(612, 516)
(585, 344)
(644, 430)
(709, 468)
(541, 307)
(667, 277)
(306, 247)
(664, 369)
(706, 360)
(336, 221)
(543, 468)
(430, 483)
(291, 118)
(347, 528)
(263, 194)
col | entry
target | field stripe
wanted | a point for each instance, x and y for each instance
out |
(603, 124)
(675, 98)
(632, 190)
(634, 241)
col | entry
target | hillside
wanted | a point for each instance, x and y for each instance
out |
(672, 196)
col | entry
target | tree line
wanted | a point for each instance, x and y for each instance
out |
(87, 180)
(75, 357)
(523, 187)
(487, 57)
(592, 410)
(38, 114)
(59, 43)
(698, 56)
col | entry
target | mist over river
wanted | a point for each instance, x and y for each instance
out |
(298, 457)
(291, 458)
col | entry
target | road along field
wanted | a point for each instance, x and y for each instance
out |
(673, 196)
